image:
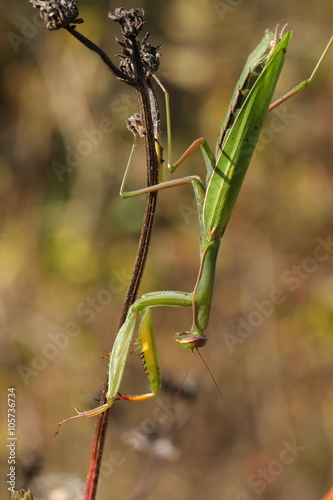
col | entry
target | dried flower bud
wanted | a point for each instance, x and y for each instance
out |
(135, 125)
(57, 13)
(149, 55)
(131, 21)
(126, 66)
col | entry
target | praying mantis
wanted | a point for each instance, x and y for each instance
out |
(215, 199)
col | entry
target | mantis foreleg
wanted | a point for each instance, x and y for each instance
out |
(146, 345)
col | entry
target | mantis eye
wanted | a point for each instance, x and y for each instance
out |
(189, 340)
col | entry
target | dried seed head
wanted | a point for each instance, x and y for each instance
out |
(131, 21)
(135, 125)
(57, 13)
(126, 66)
(149, 55)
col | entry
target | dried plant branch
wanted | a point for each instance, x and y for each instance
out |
(138, 61)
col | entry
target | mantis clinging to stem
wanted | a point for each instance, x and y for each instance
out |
(215, 198)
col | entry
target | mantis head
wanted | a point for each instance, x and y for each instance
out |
(189, 340)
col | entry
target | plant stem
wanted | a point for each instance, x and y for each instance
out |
(105, 58)
(152, 162)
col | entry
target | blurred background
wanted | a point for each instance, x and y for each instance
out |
(68, 245)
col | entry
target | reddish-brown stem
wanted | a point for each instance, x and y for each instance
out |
(141, 257)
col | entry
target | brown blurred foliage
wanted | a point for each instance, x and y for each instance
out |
(68, 244)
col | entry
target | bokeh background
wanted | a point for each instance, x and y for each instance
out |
(68, 244)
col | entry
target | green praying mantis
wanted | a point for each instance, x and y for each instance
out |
(215, 198)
